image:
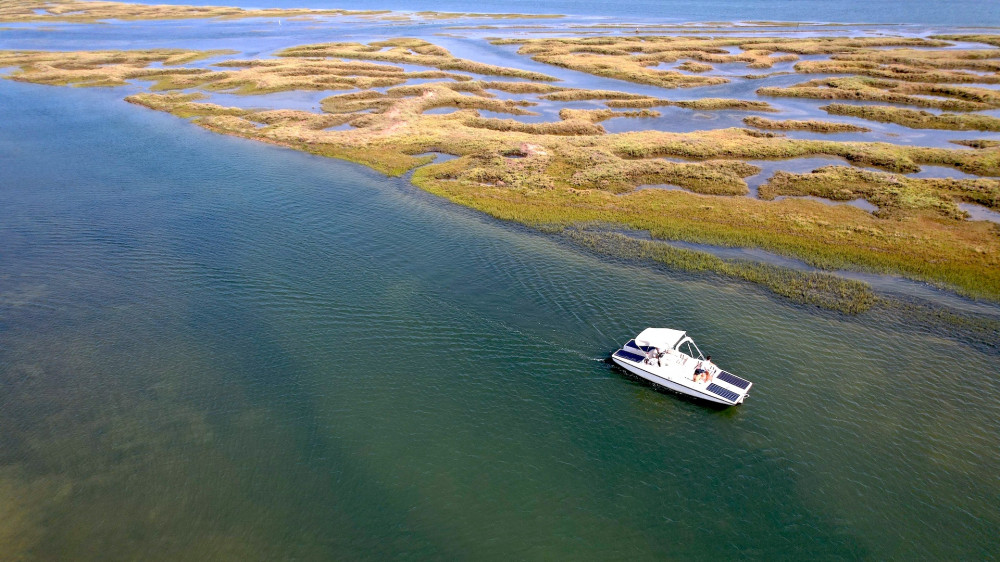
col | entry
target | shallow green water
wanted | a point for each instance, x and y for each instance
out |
(216, 349)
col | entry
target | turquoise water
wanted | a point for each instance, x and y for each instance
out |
(212, 348)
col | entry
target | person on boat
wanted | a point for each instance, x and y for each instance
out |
(660, 356)
(703, 372)
(653, 353)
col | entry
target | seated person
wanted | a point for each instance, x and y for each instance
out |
(653, 353)
(703, 372)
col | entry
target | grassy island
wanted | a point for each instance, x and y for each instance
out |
(913, 65)
(569, 175)
(635, 58)
(977, 143)
(972, 38)
(916, 119)
(797, 125)
(940, 96)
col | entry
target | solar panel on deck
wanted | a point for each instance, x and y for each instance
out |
(733, 379)
(634, 345)
(630, 356)
(727, 394)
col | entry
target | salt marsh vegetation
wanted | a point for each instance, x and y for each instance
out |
(102, 68)
(940, 96)
(895, 195)
(567, 172)
(915, 65)
(84, 12)
(632, 58)
(976, 143)
(815, 288)
(916, 119)
(407, 51)
(702, 104)
(77, 11)
(799, 125)
(971, 38)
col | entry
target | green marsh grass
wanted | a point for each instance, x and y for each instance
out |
(958, 254)
(916, 119)
(568, 127)
(630, 58)
(810, 125)
(894, 71)
(895, 196)
(538, 175)
(941, 96)
(703, 104)
(971, 38)
(820, 289)
(598, 115)
(692, 66)
(407, 51)
(977, 143)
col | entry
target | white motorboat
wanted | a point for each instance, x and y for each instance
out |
(670, 358)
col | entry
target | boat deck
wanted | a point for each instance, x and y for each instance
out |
(678, 368)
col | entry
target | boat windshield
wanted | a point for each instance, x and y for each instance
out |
(688, 347)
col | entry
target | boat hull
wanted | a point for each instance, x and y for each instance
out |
(673, 385)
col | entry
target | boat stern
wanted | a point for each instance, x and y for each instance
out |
(729, 386)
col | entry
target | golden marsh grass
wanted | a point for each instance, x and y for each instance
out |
(91, 11)
(571, 172)
(798, 125)
(940, 96)
(407, 51)
(971, 38)
(632, 58)
(95, 10)
(916, 119)
(977, 143)
(895, 196)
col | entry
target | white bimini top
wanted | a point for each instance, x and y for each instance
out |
(660, 338)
